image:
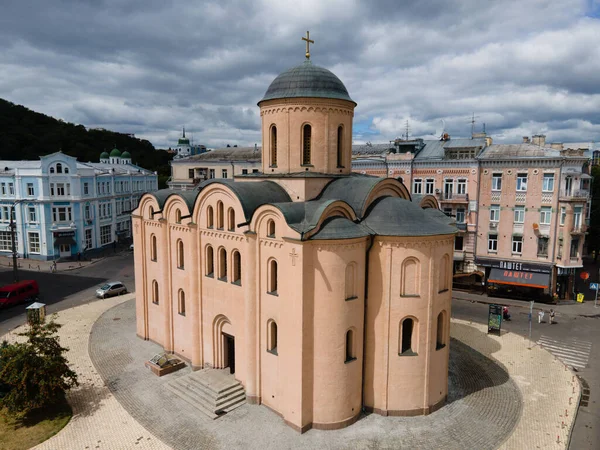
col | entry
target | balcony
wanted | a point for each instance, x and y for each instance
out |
(578, 229)
(459, 255)
(575, 195)
(451, 197)
(462, 226)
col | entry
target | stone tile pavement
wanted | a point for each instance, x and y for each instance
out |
(502, 395)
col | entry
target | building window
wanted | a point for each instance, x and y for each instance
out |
(460, 215)
(210, 262)
(5, 241)
(177, 216)
(548, 183)
(86, 188)
(577, 217)
(492, 243)
(407, 331)
(180, 254)
(519, 214)
(220, 214)
(568, 186)
(272, 337)
(409, 279)
(461, 186)
(574, 253)
(237, 268)
(350, 281)
(59, 168)
(30, 190)
(106, 235)
(429, 185)
(417, 186)
(494, 213)
(61, 214)
(209, 217)
(271, 228)
(563, 215)
(273, 146)
(272, 277)
(181, 302)
(517, 244)
(545, 215)
(222, 264)
(153, 248)
(32, 215)
(306, 144)
(458, 243)
(155, 292)
(34, 242)
(254, 170)
(340, 146)
(350, 351)
(51, 169)
(542, 246)
(496, 182)
(440, 341)
(11, 188)
(223, 173)
(231, 219)
(244, 171)
(522, 182)
(211, 173)
(88, 239)
(191, 174)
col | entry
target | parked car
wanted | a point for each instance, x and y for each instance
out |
(111, 289)
(19, 292)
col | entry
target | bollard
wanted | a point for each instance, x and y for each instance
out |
(557, 439)
(566, 413)
(562, 425)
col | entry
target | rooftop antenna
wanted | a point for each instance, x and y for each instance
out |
(473, 117)
(406, 130)
(183, 131)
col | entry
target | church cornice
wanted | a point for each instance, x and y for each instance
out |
(218, 234)
(308, 106)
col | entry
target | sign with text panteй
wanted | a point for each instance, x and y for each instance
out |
(513, 265)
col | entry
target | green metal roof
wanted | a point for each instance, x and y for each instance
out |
(307, 80)
(104, 155)
(126, 154)
(115, 152)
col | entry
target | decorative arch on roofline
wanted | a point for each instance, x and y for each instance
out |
(387, 187)
(209, 191)
(173, 203)
(147, 201)
(265, 213)
(338, 208)
(429, 201)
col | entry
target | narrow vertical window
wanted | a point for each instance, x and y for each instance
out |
(237, 268)
(340, 144)
(153, 248)
(350, 354)
(272, 337)
(210, 261)
(440, 341)
(444, 273)
(273, 277)
(180, 259)
(306, 144)
(177, 216)
(350, 281)
(271, 228)
(406, 337)
(181, 302)
(155, 292)
(210, 217)
(59, 168)
(231, 219)
(222, 264)
(220, 215)
(273, 146)
(151, 213)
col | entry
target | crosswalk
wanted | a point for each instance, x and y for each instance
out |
(573, 352)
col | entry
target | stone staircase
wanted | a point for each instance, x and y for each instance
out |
(212, 391)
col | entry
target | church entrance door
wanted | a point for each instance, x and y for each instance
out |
(229, 352)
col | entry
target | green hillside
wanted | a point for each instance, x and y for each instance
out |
(26, 134)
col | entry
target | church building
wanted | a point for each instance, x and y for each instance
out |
(325, 292)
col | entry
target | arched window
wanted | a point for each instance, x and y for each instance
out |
(273, 146)
(273, 277)
(181, 302)
(440, 341)
(66, 169)
(237, 268)
(340, 142)
(445, 273)
(177, 216)
(151, 213)
(210, 261)
(51, 169)
(180, 258)
(210, 217)
(350, 282)
(407, 345)
(306, 144)
(231, 219)
(58, 168)
(350, 352)
(153, 252)
(155, 292)
(272, 337)
(410, 278)
(220, 215)
(271, 228)
(222, 264)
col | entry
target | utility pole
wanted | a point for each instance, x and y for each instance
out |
(13, 237)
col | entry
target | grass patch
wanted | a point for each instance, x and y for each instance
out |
(36, 427)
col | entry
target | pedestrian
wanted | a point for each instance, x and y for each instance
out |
(78, 256)
(551, 321)
(540, 316)
(115, 246)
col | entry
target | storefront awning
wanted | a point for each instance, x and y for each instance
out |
(518, 278)
(64, 240)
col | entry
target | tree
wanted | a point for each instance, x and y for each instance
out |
(35, 371)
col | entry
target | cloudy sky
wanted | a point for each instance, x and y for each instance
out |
(150, 67)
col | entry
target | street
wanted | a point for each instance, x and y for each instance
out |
(572, 339)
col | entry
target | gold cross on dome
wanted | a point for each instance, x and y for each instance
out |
(308, 42)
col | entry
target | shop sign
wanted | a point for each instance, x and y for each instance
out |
(58, 234)
(494, 319)
(512, 265)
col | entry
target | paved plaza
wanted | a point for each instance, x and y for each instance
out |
(502, 395)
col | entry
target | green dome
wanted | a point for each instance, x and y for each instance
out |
(104, 155)
(307, 80)
(115, 152)
(126, 154)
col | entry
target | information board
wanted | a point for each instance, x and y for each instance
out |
(495, 319)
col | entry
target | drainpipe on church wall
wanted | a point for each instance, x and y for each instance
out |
(365, 296)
